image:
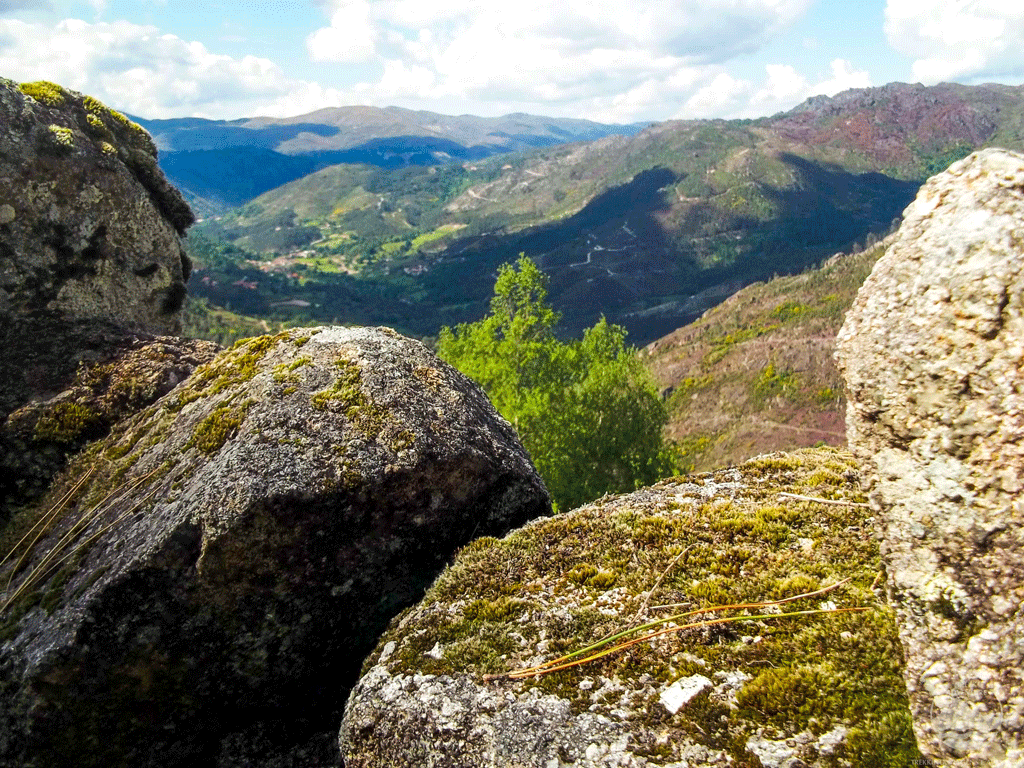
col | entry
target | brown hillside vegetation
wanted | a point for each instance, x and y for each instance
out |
(756, 373)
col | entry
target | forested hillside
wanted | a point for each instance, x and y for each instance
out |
(649, 230)
(756, 373)
(220, 164)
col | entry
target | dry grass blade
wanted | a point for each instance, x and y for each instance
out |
(39, 528)
(536, 672)
(83, 544)
(59, 553)
(573, 659)
(650, 593)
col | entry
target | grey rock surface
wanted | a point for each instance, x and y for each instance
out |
(822, 690)
(91, 258)
(90, 227)
(118, 375)
(235, 549)
(933, 357)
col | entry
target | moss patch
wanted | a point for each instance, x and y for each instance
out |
(50, 94)
(563, 583)
(346, 396)
(212, 432)
(230, 369)
(65, 423)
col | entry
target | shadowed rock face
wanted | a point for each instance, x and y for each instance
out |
(235, 550)
(91, 265)
(932, 354)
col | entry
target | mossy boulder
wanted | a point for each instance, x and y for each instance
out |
(115, 379)
(200, 587)
(818, 689)
(91, 260)
(90, 226)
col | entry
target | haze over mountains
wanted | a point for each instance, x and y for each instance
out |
(219, 164)
(649, 230)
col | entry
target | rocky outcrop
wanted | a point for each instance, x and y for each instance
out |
(805, 690)
(214, 570)
(932, 352)
(89, 227)
(91, 263)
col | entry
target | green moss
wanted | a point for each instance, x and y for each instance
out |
(50, 94)
(65, 423)
(100, 131)
(55, 588)
(580, 574)
(108, 122)
(63, 137)
(603, 580)
(212, 432)
(229, 369)
(346, 396)
(497, 610)
(736, 546)
(284, 373)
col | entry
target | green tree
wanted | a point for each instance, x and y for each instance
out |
(586, 410)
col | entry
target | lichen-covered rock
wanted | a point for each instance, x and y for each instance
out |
(215, 570)
(807, 690)
(933, 352)
(91, 257)
(89, 227)
(116, 378)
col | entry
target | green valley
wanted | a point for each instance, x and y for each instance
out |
(648, 230)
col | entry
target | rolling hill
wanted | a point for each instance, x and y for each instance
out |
(649, 230)
(756, 373)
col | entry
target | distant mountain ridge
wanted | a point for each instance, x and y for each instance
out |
(648, 230)
(206, 158)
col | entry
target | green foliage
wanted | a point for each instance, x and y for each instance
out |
(775, 383)
(940, 160)
(586, 410)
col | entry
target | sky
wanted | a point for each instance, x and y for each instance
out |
(615, 61)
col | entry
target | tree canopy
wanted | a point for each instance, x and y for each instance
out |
(586, 411)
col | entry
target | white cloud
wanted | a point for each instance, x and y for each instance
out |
(783, 88)
(349, 38)
(951, 39)
(140, 70)
(559, 58)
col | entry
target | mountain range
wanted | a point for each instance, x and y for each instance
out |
(219, 164)
(649, 230)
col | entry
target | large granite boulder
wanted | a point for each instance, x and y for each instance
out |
(933, 356)
(808, 690)
(89, 226)
(212, 573)
(91, 263)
